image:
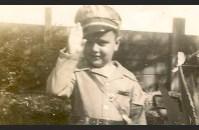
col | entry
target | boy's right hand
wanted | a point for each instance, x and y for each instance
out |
(75, 40)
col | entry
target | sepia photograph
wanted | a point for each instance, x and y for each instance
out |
(99, 65)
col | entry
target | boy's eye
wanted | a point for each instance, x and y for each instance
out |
(102, 42)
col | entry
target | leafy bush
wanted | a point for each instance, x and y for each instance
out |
(32, 109)
(25, 59)
(25, 63)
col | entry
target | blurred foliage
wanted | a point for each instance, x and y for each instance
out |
(32, 109)
(25, 59)
(25, 63)
(146, 54)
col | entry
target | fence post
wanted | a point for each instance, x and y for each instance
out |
(48, 25)
(177, 37)
(174, 111)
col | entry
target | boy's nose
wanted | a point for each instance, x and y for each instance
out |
(95, 47)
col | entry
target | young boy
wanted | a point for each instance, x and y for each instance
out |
(102, 91)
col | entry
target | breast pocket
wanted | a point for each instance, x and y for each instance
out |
(123, 97)
(123, 93)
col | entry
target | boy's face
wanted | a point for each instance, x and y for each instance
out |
(100, 47)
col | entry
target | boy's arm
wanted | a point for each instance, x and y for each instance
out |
(62, 80)
(137, 109)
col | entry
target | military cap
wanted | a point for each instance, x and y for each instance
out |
(95, 18)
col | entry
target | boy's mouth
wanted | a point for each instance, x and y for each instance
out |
(96, 57)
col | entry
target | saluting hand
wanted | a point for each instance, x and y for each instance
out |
(75, 40)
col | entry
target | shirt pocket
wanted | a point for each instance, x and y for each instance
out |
(123, 93)
(123, 97)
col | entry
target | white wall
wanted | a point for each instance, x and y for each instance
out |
(156, 18)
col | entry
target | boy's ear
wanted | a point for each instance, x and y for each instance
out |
(117, 43)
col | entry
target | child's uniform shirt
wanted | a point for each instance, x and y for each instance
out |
(70, 78)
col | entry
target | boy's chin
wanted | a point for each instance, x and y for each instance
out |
(97, 64)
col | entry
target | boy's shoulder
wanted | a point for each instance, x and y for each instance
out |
(125, 72)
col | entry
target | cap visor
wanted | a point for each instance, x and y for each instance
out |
(96, 29)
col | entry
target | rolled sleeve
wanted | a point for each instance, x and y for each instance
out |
(138, 96)
(137, 105)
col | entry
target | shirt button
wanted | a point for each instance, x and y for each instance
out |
(111, 97)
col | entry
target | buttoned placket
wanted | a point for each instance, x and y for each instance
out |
(107, 81)
(105, 106)
(109, 97)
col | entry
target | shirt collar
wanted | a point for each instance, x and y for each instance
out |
(112, 71)
(105, 71)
